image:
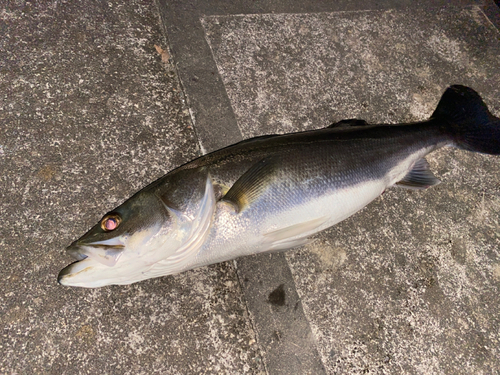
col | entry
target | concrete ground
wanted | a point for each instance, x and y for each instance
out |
(97, 99)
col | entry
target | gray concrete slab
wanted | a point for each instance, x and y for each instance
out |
(286, 73)
(183, 26)
(409, 285)
(89, 114)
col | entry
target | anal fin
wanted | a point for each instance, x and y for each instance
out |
(419, 177)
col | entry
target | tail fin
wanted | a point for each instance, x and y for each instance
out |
(471, 124)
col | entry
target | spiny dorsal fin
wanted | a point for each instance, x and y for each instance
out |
(349, 123)
(420, 177)
(251, 184)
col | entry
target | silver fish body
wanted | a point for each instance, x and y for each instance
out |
(270, 193)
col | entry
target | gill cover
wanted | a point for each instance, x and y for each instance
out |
(195, 227)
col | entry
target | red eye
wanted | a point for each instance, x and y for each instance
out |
(110, 222)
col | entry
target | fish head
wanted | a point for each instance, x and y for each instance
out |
(123, 245)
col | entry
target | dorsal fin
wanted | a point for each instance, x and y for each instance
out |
(419, 177)
(251, 184)
(349, 123)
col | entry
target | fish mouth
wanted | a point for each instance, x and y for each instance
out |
(89, 255)
(65, 272)
(80, 252)
(76, 252)
(80, 273)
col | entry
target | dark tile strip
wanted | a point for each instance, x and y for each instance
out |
(276, 309)
(279, 320)
(214, 120)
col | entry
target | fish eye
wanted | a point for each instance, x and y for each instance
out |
(110, 222)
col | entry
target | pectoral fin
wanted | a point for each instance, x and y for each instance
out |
(251, 184)
(420, 177)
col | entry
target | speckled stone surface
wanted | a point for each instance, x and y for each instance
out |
(89, 114)
(290, 72)
(91, 111)
(411, 284)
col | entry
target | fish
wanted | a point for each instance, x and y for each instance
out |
(271, 193)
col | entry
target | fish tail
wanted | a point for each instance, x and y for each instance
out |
(469, 122)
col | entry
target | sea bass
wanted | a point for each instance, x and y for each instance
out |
(271, 193)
